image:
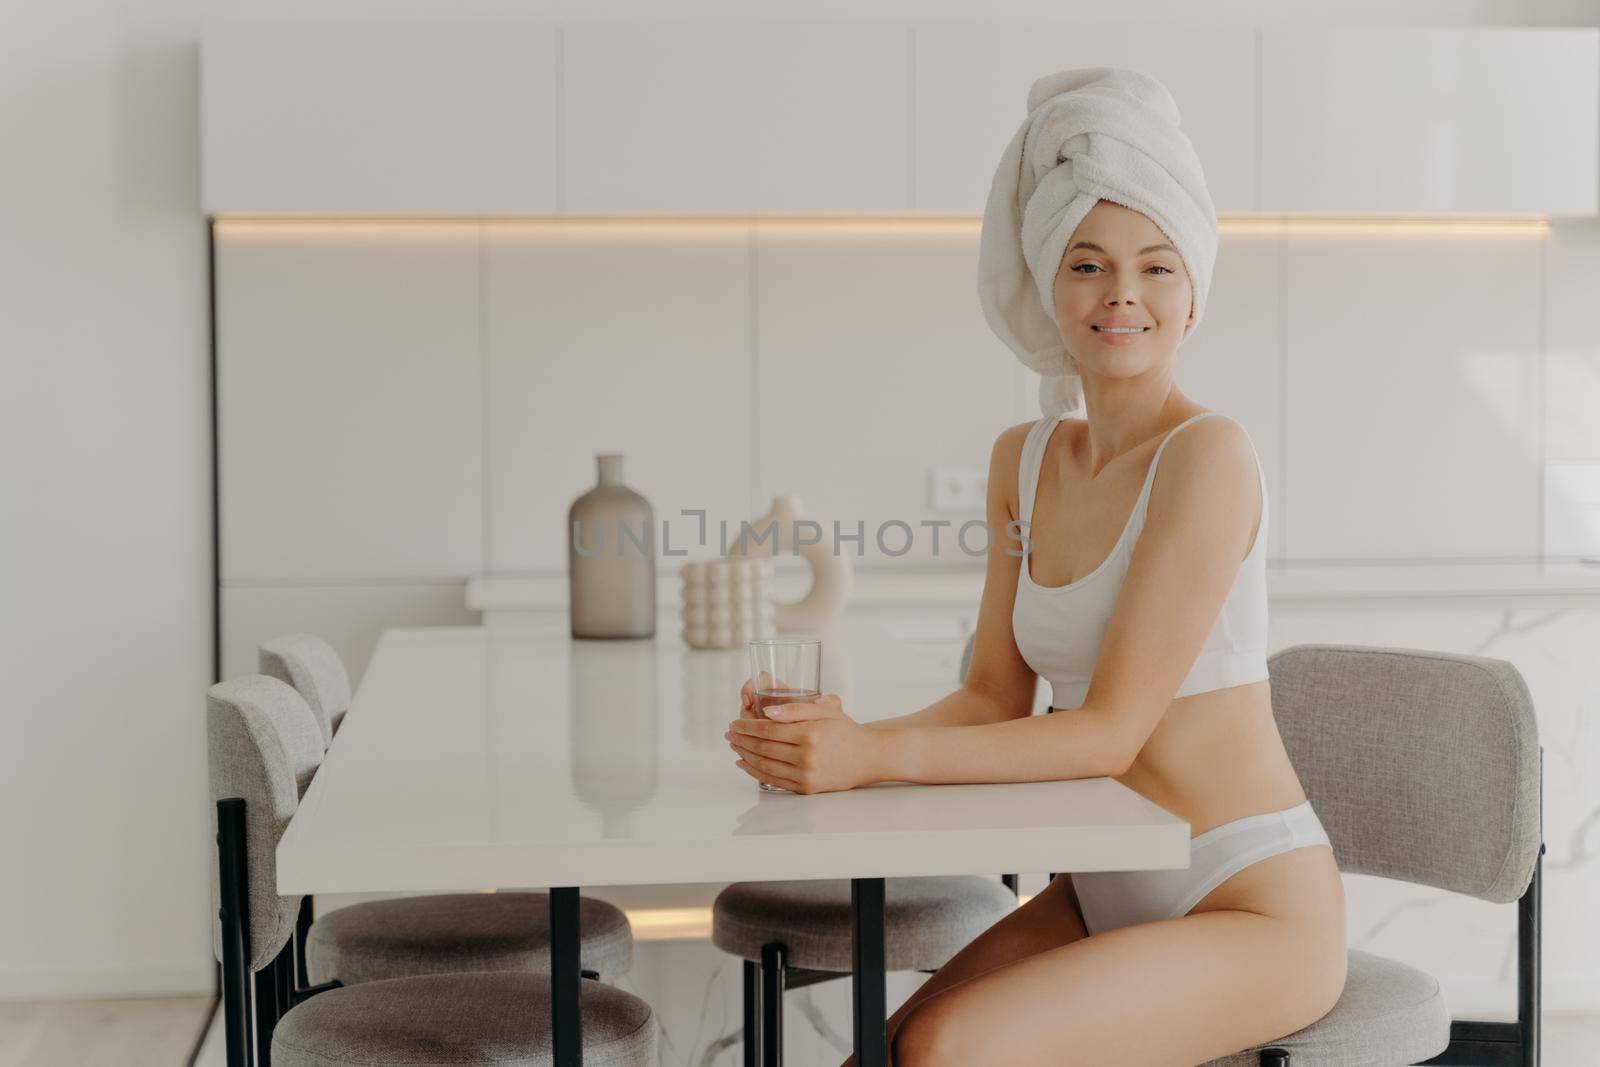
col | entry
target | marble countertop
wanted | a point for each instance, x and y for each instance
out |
(1334, 580)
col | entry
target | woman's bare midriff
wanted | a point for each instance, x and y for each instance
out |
(1215, 757)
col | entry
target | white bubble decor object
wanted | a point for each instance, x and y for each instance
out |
(726, 603)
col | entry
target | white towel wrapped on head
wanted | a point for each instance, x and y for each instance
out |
(1096, 134)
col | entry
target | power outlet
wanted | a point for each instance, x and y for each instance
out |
(958, 489)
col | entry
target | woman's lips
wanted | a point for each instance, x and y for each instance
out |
(1120, 336)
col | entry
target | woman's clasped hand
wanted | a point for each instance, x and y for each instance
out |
(805, 748)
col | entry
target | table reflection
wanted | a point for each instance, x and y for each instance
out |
(615, 729)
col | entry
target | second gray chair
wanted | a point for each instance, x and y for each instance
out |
(794, 934)
(314, 668)
(439, 933)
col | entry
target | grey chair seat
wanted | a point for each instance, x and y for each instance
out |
(454, 932)
(461, 1020)
(1389, 1014)
(926, 920)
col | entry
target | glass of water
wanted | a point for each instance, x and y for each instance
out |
(785, 670)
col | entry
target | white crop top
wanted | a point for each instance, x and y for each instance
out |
(1059, 628)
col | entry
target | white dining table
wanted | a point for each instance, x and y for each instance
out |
(480, 758)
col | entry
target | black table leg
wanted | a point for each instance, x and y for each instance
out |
(565, 981)
(752, 1014)
(774, 960)
(869, 1011)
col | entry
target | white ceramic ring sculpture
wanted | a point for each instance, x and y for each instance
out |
(832, 574)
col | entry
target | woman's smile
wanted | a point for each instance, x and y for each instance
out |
(1118, 335)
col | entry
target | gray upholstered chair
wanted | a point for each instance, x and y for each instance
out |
(264, 745)
(314, 668)
(432, 934)
(1425, 767)
(793, 934)
(798, 933)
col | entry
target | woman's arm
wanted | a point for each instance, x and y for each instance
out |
(964, 707)
(815, 748)
(1081, 743)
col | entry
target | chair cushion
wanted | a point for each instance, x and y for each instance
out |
(459, 1019)
(451, 932)
(1388, 1014)
(926, 920)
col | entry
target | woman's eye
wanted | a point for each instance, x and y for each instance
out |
(1085, 268)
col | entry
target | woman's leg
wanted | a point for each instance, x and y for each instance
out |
(1047, 921)
(1168, 993)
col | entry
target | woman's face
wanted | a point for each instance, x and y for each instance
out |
(1120, 270)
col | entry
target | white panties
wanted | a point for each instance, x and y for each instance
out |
(1122, 898)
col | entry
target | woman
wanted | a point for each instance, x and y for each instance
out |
(1095, 260)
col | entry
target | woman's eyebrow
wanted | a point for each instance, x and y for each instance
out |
(1142, 251)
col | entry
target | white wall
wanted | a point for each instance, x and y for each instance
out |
(104, 537)
(105, 544)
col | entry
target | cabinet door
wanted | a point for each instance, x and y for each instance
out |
(349, 393)
(735, 117)
(972, 82)
(1493, 121)
(429, 117)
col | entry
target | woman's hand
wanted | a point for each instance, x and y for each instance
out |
(747, 696)
(807, 748)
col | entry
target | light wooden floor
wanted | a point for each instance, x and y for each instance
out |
(161, 1033)
(158, 1032)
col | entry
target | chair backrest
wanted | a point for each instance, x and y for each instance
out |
(311, 665)
(264, 746)
(1423, 766)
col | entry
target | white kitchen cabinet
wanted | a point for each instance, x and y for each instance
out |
(1414, 121)
(446, 117)
(972, 82)
(509, 116)
(1411, 396)
(349, 393)
(733, 117)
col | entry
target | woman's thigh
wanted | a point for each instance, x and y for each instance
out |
(1048, 920)
(1172, 992)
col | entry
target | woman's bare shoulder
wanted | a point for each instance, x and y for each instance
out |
(1005, 459)
(1011, 438)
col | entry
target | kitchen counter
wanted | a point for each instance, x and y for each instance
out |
(963, 587)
